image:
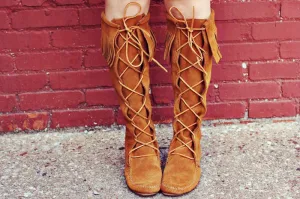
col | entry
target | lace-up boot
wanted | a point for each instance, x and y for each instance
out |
(190, 46)
(128, 46)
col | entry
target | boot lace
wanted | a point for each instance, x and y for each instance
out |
(129, 35)
(190, 32)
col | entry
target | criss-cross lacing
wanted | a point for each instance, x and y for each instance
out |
(190, 32)
(131, 40)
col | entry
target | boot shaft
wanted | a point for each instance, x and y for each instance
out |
(128, 46)
(191, 46)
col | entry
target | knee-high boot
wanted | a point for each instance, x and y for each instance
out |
(190, 45)
(128, 46)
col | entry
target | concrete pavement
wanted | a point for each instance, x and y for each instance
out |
(255, 161)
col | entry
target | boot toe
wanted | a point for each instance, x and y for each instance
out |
(150, 185)
(170, 187)
(144, 180)
(178, 181)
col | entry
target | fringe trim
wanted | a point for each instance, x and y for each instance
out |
(212, 39)
(151, 45)
(108, 44)
(108, 49)
(168, 44)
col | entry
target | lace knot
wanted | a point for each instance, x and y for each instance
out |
(129, 30)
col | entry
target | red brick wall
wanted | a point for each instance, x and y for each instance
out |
(53, 74)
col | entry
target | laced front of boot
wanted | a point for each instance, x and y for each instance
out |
(190, 46)
(190, 33)
(128, 46)
(130, 37)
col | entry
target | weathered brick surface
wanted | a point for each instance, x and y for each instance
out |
(272, 109)
(8, 3)
(51, 100)
(24, 121)
(49, 60)
(238, 91)
(7, 63)
(82, 117)
(27, 40)
(51, 63)
(44, 18)
(4, 20)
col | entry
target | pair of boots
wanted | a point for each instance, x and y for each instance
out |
(128, 45)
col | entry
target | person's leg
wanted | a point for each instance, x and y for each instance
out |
(202, 8)
(191, 44)
(128, 45)
(114, 9)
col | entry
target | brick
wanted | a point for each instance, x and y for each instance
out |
(76, 38)
(7, 3)
(159, 56)
(80, 79)
(51, 100)
(33, 2)
(158, 76)
(7, 63)
(290, 9)
(7, 103)
(85, 117)
(90, 16)
(4, 20)
(249, 51)
(22, 82)
(120, 118)
(291, 89)
(44, 18)
(69, 2)
(162, 114)
(95, 1)
(23, 121)
(276, 30)
(272, 109)
(105, 97)
(24, 40)
(160, 33)
(247, 10)
(246, 36)
(228, 31)
(165, 95)
(162, 94)
(232, 110)
(232, 91)
(48, 60)
(290, 49)
(265, 71)
(227, 72)
(94, 58)
(158, 13)
(212, 93)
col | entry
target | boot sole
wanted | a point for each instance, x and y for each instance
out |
(175, 195)
(144, 194)
(181, 194)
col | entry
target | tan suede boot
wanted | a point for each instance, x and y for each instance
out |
(128, 46)
(190, 44)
